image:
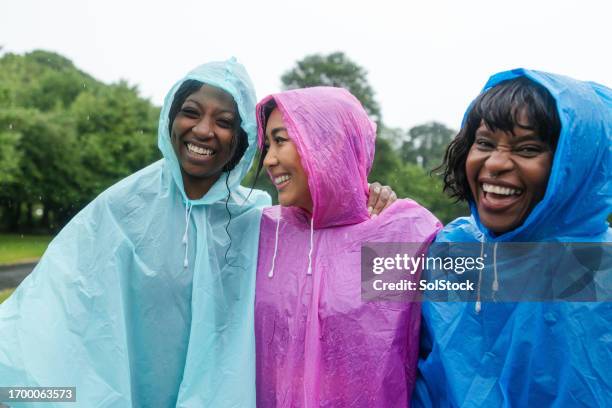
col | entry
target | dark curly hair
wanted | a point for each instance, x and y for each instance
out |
(499, 108)
(241, 141)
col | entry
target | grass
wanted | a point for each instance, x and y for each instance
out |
(16, 247)
(5, 293)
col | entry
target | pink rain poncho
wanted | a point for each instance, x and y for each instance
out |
(318, 343)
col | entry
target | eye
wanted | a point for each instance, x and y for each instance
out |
(225, 123)
(484, 144)
(189, 112)
(529, 150)
(280, 140)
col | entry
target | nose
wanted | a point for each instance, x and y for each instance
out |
(270, 158)
(499, 162)
(203, 128)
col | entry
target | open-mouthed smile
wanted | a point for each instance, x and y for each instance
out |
(281, 180)
(199, 150)
(497, 197)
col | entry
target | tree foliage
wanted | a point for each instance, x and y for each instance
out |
(426, 144)
(64, 137)
(336, 70)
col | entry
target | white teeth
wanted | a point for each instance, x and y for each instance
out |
(199, 150)
(490, 188)
(281, 179)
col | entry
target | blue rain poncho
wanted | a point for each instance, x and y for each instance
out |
(533, 354)
(135, 302)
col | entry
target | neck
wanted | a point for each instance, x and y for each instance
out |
(196, 187)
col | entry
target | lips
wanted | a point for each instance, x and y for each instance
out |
(280, 180)
(499, 197)
(198, 152)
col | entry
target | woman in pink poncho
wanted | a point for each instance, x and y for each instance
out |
(318, 343)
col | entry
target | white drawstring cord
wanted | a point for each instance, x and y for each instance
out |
(309, 272)
(188, 208)
(271, 273)
(495, 286)
(478, 305)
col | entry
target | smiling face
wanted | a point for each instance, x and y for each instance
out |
(507, 173)
(283, 164)
(202, 135)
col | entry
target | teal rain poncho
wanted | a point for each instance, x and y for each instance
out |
(135, 302)
(533, 354)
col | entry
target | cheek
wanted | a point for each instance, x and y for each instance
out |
(226, 141)
(473, 163)
(539, 172)
(297, 165)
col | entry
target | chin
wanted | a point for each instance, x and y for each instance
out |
(499, 229)
(284, 202)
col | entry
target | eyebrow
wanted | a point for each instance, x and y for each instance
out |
(220, 111)
(527, 138)
(277, 129)
(515, 139)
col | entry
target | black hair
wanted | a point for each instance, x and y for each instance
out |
(240, 141)
(500, 109)
(266, 111)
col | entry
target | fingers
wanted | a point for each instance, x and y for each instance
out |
(383, 198)
(373, 196)
(392, 199)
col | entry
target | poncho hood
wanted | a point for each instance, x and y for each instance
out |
(335, 140)
(532, 354)
(231, 77)
(578, 197)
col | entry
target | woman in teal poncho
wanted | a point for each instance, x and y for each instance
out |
(534, 160)
(146, 297)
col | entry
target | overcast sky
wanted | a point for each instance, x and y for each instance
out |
(426, 59)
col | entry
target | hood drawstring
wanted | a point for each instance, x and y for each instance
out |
(188, 208)
(495, 286)
(271, 273)
(478, 305)
(309, 272)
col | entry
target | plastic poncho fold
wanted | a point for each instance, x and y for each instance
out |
(318, 344)
(533, 354)
(111, 307)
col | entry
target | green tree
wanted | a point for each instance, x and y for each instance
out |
(10, 156)
(115, 131)
(337, 70)
(426, 144)
(65, 137)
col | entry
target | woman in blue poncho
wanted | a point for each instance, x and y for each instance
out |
(534, 160)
